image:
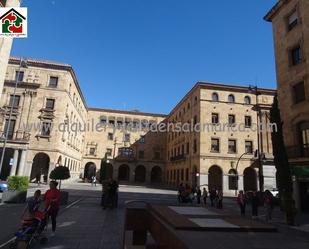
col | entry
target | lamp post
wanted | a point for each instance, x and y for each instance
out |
(22, 64)
(254, 90)
(246, 153)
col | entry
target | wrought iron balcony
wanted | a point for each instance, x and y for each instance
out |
(17, 136)
(298, 151)
(178, 158)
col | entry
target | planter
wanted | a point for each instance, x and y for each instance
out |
(64, 197)
(14, 196)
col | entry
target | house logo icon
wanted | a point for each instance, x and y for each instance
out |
(13, 22)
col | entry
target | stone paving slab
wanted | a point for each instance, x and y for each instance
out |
(212, 223)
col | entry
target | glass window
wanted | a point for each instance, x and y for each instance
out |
(214, 118)
(247, 100)
(142, 139)
(53, 81)
(126, 137)
(157, 155)
(215, 97)
(232, 119)
(292, 20)
(9, 128)
(102, 120)
(141, 154)
(14, 100)
(231, 98)
(92, 151)
(50, 104)
(248, 147)
(248, 121)
(109, 152)
(110, 136)
(296, 55)
(19, 76)
(215, 145)
(232, 146)
(46, 128)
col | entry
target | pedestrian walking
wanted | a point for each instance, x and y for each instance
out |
(255, 205)
(52, 200)
(268, 204)
(212, 196)
(241, 200)
(198, 195)
(114, 193)
(205, 194)
(93, 181)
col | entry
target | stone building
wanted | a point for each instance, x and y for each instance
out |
(51, 125)
(227, 128)
(5, 44)
(290, 22)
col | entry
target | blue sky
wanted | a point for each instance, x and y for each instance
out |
(146, 54)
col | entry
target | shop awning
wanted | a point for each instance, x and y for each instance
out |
(300, 170)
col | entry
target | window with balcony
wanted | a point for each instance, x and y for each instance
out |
(232, 146)
(215, 145)
(53, 82)
(50, 104)
(299, 92)
(215, 118)
(296, 55)
(102, 120)
(249, 147)
(46, 128)
(14, 101)
(19, 76)
(248, 121)
(292, 20)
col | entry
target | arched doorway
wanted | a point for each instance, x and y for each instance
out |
(140, 173)
(124, 173)
(40, 167)
(233, 179)
(90, 170)
(156, 175)
(250, 179)
(215, 179)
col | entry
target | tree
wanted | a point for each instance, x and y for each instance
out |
(284, 177)
(60, 173)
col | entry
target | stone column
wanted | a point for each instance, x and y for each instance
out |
(21, 167)
(51, 167)
(132, 174)
(240, 182)
(148, 176)
(204, 180)
(225, 186)
(15, 161)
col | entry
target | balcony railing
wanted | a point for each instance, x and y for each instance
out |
(298, 151)
(178, 158)
(18, 136)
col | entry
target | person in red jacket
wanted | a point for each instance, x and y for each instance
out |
(52, 200)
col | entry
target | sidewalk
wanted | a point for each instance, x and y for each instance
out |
(86, 225)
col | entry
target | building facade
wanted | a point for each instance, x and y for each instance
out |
(226, 131)
(51, 125)
(290, 22)
(5, 44)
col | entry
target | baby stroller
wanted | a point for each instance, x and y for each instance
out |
(31, 230)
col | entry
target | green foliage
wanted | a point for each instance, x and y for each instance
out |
(19, 183)
(281, 161)
(60, 173)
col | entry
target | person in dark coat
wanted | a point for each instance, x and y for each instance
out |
(255, 205)
(198, 195)
(241, 201)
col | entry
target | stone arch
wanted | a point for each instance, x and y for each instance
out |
(140, 173)
(6, 165)
(156, 175)
(215, 177)
(90, 170)
(124, 172)
(250, 179)
(40, 167)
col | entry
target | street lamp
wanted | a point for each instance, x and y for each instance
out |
(22, 64)
(246, 153)
(254, 90)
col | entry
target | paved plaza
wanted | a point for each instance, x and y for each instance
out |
(84, 224)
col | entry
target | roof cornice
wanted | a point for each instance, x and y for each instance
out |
(274, 10)
(127, 112)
